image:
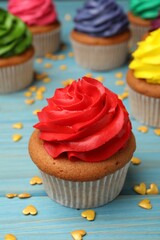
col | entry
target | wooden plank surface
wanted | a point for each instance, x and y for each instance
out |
(121, 219)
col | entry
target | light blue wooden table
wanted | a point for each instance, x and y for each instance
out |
(122, 219)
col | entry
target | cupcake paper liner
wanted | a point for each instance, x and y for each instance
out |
(16, 77)
(137, 33)
(85, 194)
(145, 109)
(48, 42)
(100, 58)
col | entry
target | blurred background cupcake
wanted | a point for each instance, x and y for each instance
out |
(41, 18)
(143, 80)
(100, 36)
(16, 53)
(141, 15)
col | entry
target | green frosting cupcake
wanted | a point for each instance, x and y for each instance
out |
(15, 37)
(146, 9)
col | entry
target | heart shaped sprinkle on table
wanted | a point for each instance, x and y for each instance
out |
(9, 237)
(145, 203)
(143, 129)
(24, 195)
(78, 234)
(17, 125)
(141, 188)
(30, 209)
(16, 137)
(135, 161)
(11, 195)
(35, 180)
(153, 189)
(89, 214)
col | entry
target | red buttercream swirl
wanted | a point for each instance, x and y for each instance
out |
(85, 120)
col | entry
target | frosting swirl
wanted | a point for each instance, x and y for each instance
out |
(102, 18)
(85, 121)
(146, 62)
(145, 9)
(15, 37)
(34, 12)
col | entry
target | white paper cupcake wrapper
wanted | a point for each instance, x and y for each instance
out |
(100, 58)
(17, 77)
(137, 33)
(145, 109)
(48, 42)
(85, 194)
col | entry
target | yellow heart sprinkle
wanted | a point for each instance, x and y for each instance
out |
(41, 89)
(89, 215)
(11, 195)
(39, 97)
(143, 129)
(46, 80)
(39, 60)
(30, 209)
(153, 189)
(24, 195)
(32, 88)
(135, 161)
(16, 137)
(157, 131)
(67, 82)
(145, 203)
(28, 94)
(36, 111)
(119, 82)
(118, 75)
(36, 180)
(63, 67)
(88, 75)
(141, 188)
(29, 101)
(61, 57)
(9, 237)
(48, 65)
(17, 125)
(70, 54)
(100, 78)
(78, 234)
(123, 95)
(40, 76)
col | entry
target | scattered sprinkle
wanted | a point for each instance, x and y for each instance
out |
(89, 214)
(29, 101)
(135, 161)
(39, 96)
(48, 65)
(16, 137)
(46, 80)
(17, 125)
(67, 82)
(61, 57)
(32, 88)
(41, 76)
(119, 82)
(67, 17)
(63, 67)
(70, 54)
(28, 94)
(88, 75)
(142, 129)
(39, 60)
(11, 195)
(145, 203)
(41, 89)
(123, 95)
(119, 75)
(30, 209)
(36, 111)
(24, 195)
(78, 234)
(35, 180)
(157, 131)
(140, 189)
(153, 189)
(100, 78)
(10, 237)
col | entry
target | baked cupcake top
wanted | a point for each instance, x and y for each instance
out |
(34, 12)
(84, 121)
(146, 62)
(101, 18)
(145, 9)
(15, 37)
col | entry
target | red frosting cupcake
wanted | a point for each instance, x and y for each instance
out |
(83, 144)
